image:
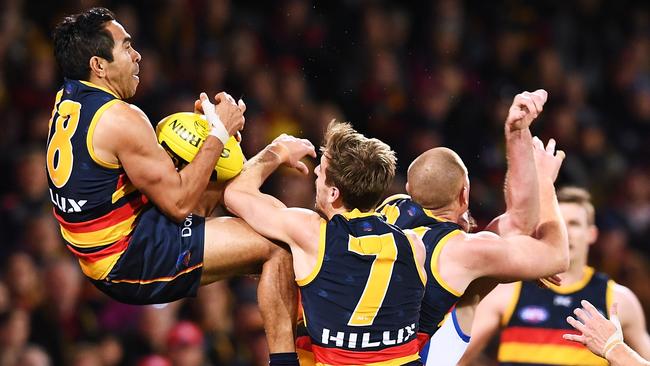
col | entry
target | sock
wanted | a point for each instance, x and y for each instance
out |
(283, 359)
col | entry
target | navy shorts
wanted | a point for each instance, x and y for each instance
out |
(163, 262)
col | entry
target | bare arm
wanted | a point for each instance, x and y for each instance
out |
(267, 215)
(125, 134)
(603, 337)
(517, 260)
(521, 187)
(487, 322)
(633, 321)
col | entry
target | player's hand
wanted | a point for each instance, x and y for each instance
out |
(230, 113)
(292, 149)
(547, 160)
(597, 333)
(525, 108)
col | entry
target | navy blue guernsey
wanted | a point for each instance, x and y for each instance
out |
(536, 319)
(362, 301)
(439, 297)
(95, 203)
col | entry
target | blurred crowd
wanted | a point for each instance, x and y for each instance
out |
(414, 74)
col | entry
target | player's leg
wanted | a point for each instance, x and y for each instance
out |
(233, 248)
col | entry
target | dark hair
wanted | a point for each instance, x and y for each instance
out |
(78, 38)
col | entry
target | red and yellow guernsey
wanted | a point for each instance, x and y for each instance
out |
(536, 319)
(94, 202)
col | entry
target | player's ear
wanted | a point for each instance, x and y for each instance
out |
(407, 188)
(333, 195)
(463, 196)
(97, 66)
(592, 235)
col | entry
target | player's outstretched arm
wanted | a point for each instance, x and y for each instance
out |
(263, 213)
(520, 256)
(603, 337)
(521, 186)
(487, 321)
(125, 135)
(633, 322)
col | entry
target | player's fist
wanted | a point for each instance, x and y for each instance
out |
(292, 149)
(525, 108)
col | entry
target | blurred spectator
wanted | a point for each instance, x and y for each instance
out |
(185, 345)
(14, 333)
(34, 356)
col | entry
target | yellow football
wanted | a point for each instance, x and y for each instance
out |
(183, 133)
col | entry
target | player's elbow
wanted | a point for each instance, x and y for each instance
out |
(524, 221)
(176, 210)
(179, 213)
(232, 198)
(561, 257)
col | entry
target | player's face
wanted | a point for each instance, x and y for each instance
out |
(581, 233)
(122, 73)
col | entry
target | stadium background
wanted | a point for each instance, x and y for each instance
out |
(415, 74)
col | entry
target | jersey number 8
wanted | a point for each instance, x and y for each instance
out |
(59, 148)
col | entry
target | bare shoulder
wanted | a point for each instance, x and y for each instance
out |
(122, 114)
(124, 127)
(303, 226)
(470, 247)
(628, 303)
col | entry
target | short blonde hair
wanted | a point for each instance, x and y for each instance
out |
(361, 168)
(579, 196)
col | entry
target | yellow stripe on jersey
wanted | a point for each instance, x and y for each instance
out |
(321, 254)
(430, 214)
(91, 133)
(421, 271)
(99, 270)
(88, 83)
(57, 99)
(587, 274)
(434, 263)
(507, 314)
(609, 296)
(101, 237)
(355, 214)
(399, 196)
(392, 213)
(127, 188)
(548, 354)
(393, 362)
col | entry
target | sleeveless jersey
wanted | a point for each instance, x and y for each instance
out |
(361, 303)
(94, 202)
(536, 319)
(439, 297)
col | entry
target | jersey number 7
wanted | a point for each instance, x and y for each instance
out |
(384, 249)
